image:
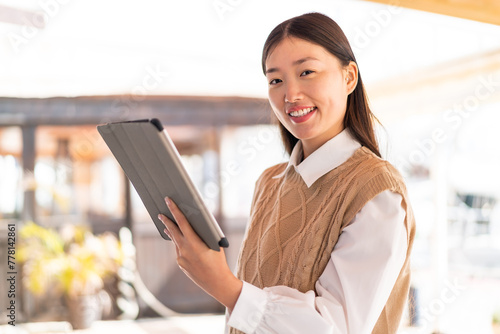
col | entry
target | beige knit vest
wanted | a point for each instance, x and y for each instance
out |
(293, 229)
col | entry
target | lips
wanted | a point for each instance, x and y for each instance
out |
(301, 114)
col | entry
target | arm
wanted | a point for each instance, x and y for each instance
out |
(352, 290)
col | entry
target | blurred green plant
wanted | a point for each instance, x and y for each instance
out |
(74, 260)
(495, 318)
(495, 322)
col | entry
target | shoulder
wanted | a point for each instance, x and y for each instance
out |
(371, 176)
(370, 167)
(269, 173)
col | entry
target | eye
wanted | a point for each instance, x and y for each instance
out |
(274, 81)
(306, 72)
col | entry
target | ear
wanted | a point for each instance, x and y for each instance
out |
(351, 76)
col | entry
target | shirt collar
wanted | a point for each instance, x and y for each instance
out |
(330, 155)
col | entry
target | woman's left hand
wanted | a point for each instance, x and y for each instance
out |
(204, 266)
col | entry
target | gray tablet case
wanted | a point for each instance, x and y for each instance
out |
(151, 162)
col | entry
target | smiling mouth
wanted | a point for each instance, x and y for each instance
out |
(302, 112)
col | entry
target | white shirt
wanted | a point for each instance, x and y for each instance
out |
(359, 277)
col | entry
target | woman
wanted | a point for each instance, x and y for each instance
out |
(327, 248)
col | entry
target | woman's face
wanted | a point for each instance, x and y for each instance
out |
(308, 90)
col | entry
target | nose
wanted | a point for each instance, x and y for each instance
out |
(292, 91)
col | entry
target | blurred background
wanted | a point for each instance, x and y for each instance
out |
(432, 73)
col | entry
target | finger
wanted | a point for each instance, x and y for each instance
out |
(173, 240)
(174, 232)
(167, 232)
(184, 226)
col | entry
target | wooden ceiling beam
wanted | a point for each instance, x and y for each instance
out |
(171, 110)
(438, 88)
(486, 11)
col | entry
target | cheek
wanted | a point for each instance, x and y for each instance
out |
(333, 96)
(278, 113)
(277, 103)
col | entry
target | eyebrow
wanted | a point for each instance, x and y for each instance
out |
(297, 62)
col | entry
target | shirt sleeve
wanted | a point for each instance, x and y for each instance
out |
(351, 292)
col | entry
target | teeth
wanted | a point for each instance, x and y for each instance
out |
(301, 112)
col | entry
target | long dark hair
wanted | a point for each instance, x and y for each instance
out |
(322, 30)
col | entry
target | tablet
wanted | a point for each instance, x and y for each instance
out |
(150, 160)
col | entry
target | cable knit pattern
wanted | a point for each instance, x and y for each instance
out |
(293, 229)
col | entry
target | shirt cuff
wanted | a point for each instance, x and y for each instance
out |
(249, 309)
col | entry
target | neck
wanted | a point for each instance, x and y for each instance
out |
(311, 145)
